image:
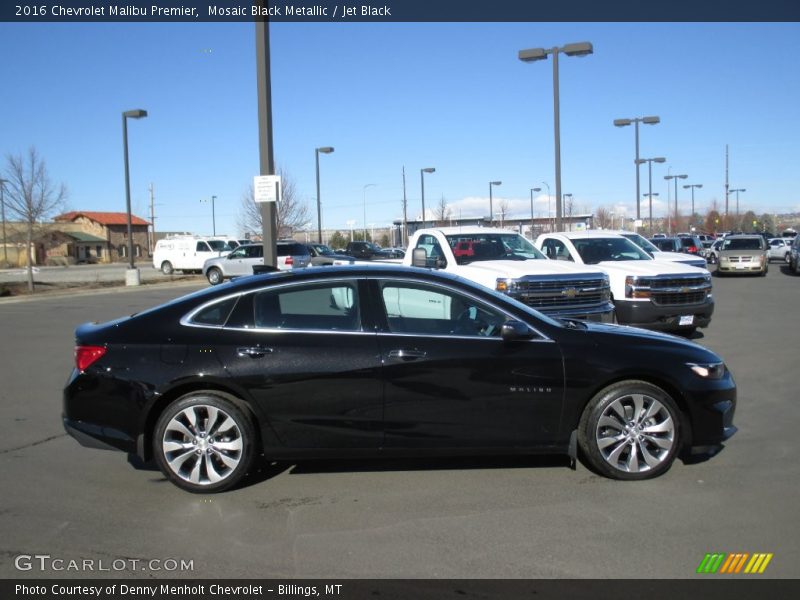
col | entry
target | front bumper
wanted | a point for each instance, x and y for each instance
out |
(672, 317)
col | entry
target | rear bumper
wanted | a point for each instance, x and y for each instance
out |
(95, 436)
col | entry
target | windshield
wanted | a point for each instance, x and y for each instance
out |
(642, 242)
(741, 244)
(492, 246)
(595, 250)
(218, 245)
(322, 249)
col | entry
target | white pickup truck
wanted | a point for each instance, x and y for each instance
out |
(647, 293)
(505, 261)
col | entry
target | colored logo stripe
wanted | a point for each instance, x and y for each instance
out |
(720, 562)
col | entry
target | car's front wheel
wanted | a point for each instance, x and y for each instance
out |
(204, 442)
(214, 276)
(166, 268)
(630, 430)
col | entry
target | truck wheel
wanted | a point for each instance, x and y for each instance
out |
(166, 268)
(630, 430)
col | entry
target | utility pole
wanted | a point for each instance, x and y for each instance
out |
(727, 189)
(404, 233)
(152, 237)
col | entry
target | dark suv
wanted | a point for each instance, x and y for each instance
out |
(794, 257)
(363, 250)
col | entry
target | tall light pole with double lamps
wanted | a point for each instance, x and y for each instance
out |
(650, 194)
(533, 190)
(636, 121)
(422, 183)
(675, 177)
(737, 199)
(491, 185)
(692, 186)
(132, 274)
(534, 54)
(323, 150)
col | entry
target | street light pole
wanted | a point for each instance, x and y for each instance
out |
(650, 198)
(3, 207)
(737, 199)
(675, 177)
(650, 194)
(624, 123)
(692, 186)
(324, 150)
(551, 225)
(422, 182)
(491, 213)
(571, 198)
(533, 190)
(534, 54)
(132, 114)
(365, 208)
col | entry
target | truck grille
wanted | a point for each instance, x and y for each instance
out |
(543, 294)
(679, 290)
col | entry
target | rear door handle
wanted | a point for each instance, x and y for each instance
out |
(253, 351)
(407, 354)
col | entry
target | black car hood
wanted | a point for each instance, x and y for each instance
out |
(636, 336)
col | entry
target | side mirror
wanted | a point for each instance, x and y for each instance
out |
(514, 331)
(419, 257)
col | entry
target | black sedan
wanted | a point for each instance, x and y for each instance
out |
(383, 359)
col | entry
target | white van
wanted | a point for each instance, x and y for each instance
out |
(187, 253)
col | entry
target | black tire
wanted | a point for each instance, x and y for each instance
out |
(166, 268)
(204, 443)
(214, 276)
(638, 446)
(788, 258)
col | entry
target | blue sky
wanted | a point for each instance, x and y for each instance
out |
(452, 96)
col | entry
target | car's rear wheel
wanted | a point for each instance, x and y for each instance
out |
(166, 268)
(630, 430)
(214, 276)
(204, 443)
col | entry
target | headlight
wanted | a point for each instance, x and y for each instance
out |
(708, 370)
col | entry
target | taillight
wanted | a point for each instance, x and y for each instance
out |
(86, 356)
(692, 249)
(290, 260)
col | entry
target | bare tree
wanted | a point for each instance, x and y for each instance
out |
(31, 196)
(443, 211)
(603, 219)
(503, 208)
(292, 213)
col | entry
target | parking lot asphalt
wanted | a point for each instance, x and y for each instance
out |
(455, 518)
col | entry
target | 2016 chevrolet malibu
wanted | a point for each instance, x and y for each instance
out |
(385, 360)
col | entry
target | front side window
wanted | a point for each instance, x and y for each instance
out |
(556, 250)
(323, 306)
(202, 247)
(421, 309)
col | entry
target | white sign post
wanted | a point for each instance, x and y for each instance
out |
(267, 188)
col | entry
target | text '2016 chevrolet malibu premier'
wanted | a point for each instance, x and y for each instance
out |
(385, 360)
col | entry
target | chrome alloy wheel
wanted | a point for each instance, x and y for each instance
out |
(635, 433)
(202, 444)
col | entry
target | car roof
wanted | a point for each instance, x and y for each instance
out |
(471, 230)
(589, 233)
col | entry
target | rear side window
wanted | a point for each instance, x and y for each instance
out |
(292, 250)
(328, 307)
(215, 314)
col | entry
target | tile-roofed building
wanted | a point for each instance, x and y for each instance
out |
(112, 228)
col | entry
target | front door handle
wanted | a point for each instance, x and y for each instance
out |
(253, 351)
(407, 354)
